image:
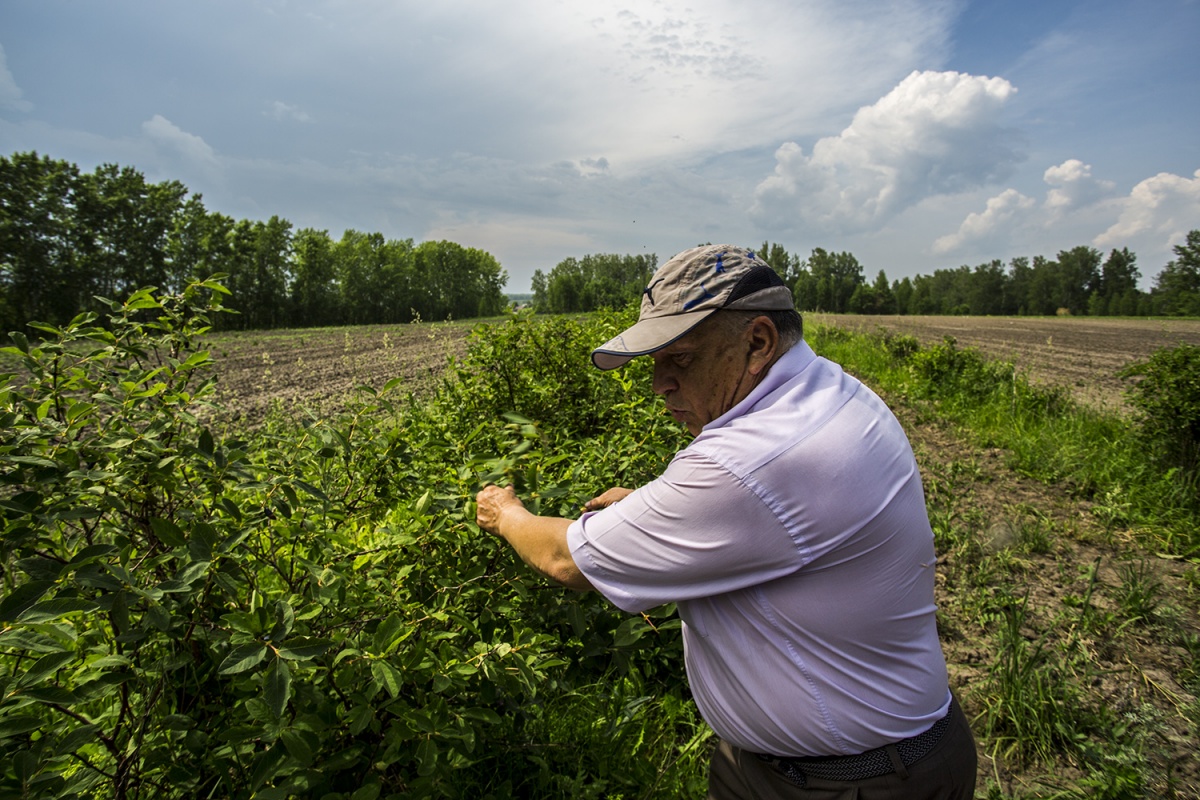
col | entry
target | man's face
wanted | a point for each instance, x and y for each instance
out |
(705, 373)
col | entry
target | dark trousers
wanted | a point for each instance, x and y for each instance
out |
(946, 773)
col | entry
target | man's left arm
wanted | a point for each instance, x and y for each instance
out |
(541, 542)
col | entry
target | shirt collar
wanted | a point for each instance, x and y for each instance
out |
(789, 365)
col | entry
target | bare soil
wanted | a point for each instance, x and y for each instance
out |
(1138, 669)
(1080, 354)
(319, 369)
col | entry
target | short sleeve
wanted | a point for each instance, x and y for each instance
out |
(696, 531)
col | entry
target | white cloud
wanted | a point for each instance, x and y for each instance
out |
(162, 131)
(1158, 212)
(934, 133)
(668, 80)
(282, 111)
(991, 225)
(1073, 187)
(10, 93)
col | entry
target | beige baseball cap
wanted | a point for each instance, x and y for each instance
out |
(686, 290)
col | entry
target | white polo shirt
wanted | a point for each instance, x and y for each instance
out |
(792, 533)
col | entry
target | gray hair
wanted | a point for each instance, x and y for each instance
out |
(787, 322)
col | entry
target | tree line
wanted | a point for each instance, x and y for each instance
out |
(1079, 281)
(67, 237)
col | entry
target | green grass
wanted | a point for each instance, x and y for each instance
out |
(1096, 456)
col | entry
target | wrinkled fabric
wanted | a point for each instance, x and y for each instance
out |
(792, 533)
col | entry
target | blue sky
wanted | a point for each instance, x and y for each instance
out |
(916, 134)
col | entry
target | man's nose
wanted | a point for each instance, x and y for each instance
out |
(663, 380)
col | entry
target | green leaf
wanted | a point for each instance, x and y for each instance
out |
(206, 444)
(423, 503)
(168, 532)
(204, 538)
(193, 572)
(285, 618)
(43, 667)
(51, 695)
(267, 767)
(427, 755)
(158, 617)
(360, 717)
(301, 745)
(40, 569)
(277, 686)
(483, 715)
(92, 552)
(630, 631)
(243, 621)
(77, 738)
(53, 609)
(22, 598)
(17, 724)
(32, 461)
(388, 677)
(243, 657)
(314, 491)
(19, 639)
(369, 791)
(302, 648)
(387, 632)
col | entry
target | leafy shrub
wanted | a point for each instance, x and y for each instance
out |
(540, 368)
(1167, 398)
(307, 612)
(943, 371)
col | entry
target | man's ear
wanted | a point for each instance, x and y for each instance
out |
(764, 344)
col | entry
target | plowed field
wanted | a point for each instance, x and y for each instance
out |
(318, 368)
(1080, 354)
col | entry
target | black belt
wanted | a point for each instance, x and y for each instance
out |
(871, 764)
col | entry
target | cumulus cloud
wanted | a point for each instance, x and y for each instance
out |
(1072, 187)
(1161, 209)
(10, 93)
(990, 225)
(934, 133)
(1155, 215)
(162, 131)
(283, 112)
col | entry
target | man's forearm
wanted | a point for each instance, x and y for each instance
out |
(541, 542)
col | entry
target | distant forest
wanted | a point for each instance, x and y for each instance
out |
(1080, 281)
(68, 237)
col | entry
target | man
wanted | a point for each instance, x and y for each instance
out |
(792, 533)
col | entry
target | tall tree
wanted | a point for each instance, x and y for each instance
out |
(124, 223)
(38, 272)
(314, 289)
(1177, 287)
(1078, 276)
(600, 280)
(830, 281)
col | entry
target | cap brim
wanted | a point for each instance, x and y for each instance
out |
(645, 337)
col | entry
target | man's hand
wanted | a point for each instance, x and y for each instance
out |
(605, 500)
(541, 542)
(490, 505)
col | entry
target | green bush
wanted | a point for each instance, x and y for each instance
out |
(308, 611)
(1167, 398)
